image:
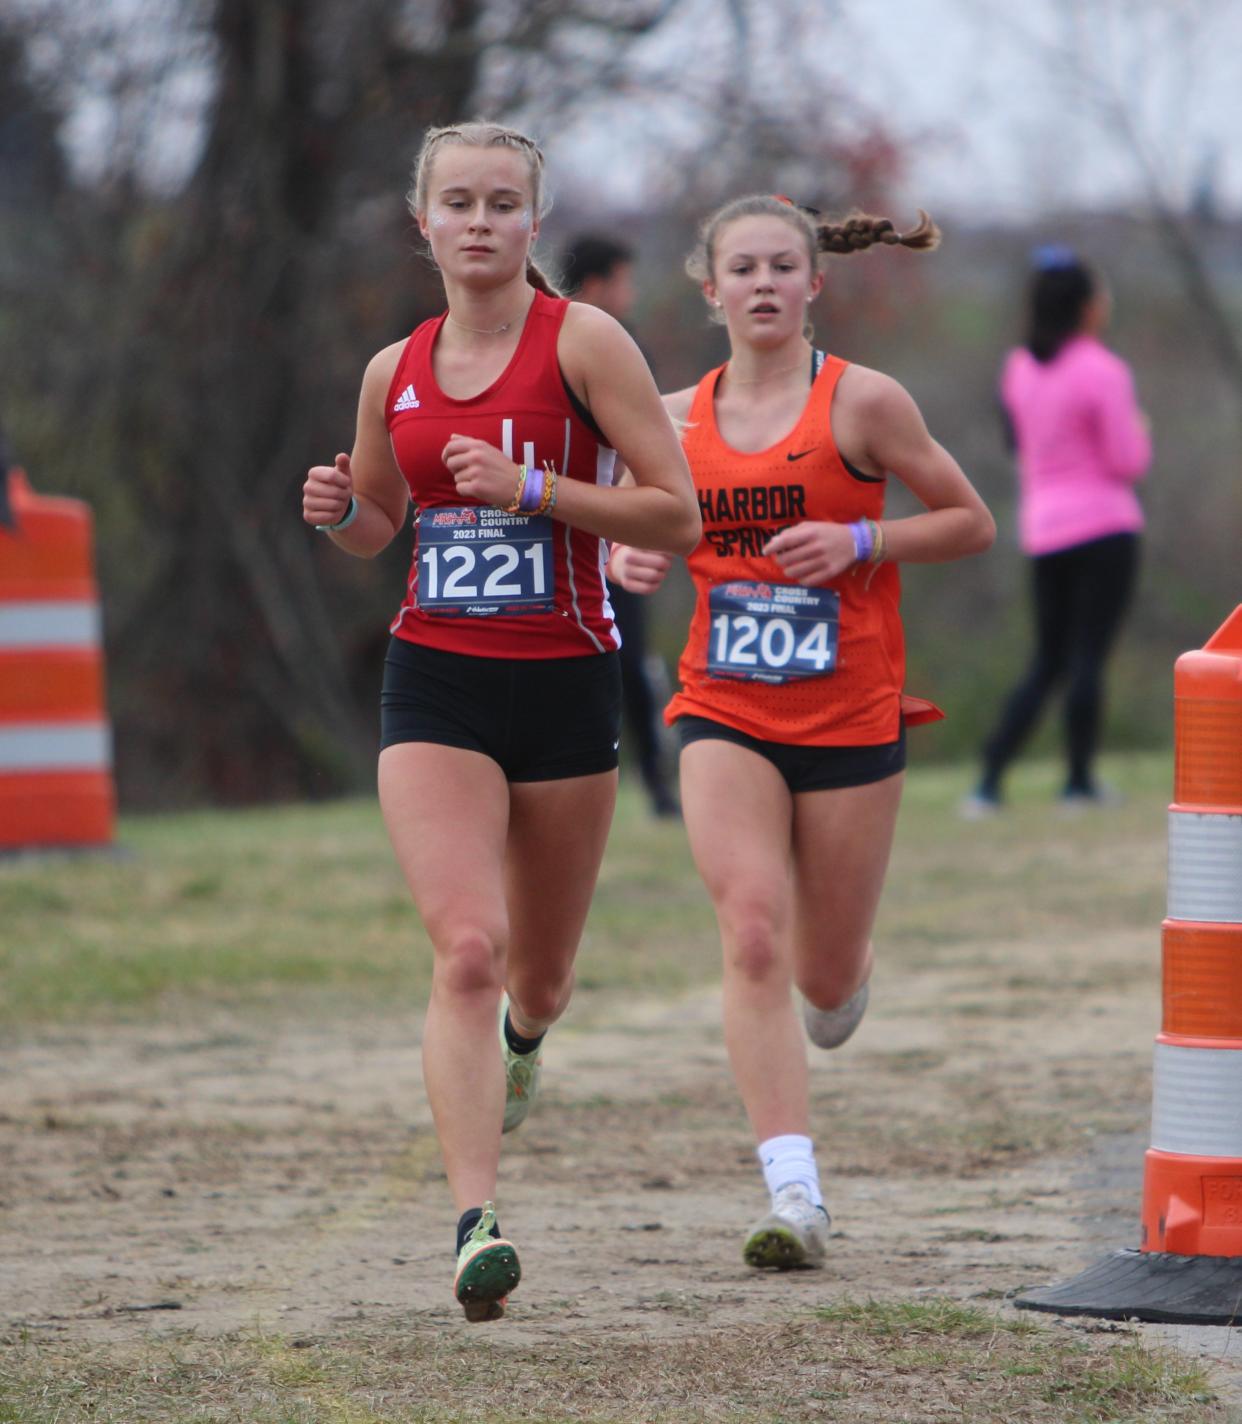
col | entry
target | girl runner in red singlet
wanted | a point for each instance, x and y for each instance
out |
(501, 699)
(791, 711)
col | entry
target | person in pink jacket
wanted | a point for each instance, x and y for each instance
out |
(1082, 443)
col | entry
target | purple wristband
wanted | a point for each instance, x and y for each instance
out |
(532, 491)
(864, 544)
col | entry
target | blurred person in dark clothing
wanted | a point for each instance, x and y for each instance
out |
(600, 271)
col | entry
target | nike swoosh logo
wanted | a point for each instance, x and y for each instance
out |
(800, 454)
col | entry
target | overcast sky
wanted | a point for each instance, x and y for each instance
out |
(1022, 131)
(1009, 107)
(1000, 103)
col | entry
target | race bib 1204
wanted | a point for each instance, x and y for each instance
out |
(772, 632)
(475, 561)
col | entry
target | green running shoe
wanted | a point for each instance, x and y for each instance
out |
(794, 1233)
(521, 1076)
(487, 1270)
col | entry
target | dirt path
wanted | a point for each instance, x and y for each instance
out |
(286, 1175)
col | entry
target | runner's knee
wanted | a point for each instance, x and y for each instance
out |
(541, 998)
(752, 939)
(468, 960)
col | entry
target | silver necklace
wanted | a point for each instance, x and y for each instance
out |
(480, 330)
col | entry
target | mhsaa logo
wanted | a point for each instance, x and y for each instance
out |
(748, 590)
(453, 517)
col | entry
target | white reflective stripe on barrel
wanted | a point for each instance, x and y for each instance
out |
(1197, 1101)
(1205, 867)
(49, 625)
(44, 746)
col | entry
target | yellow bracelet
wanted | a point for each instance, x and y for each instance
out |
(877, 545)
(516, 506)
(549, 488)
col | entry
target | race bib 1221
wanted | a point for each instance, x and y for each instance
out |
(475, 561)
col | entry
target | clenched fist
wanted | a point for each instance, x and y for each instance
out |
(812, 553)
(480, 471)
(638, 570)
(327, 492)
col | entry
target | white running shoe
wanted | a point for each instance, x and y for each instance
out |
(829, 1028)
(521, 1076)
(794, 1232)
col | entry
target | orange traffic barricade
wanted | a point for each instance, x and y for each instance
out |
(56, 786)
(1188, 1267)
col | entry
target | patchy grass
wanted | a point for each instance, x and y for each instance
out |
(297, 908)
(878, 1361)
(302, 908)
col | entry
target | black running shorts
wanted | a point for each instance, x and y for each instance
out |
(807, 768)
(539, 719)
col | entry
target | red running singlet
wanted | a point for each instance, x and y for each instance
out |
(482, 582)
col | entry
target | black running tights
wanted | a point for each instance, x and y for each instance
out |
(1081, 595)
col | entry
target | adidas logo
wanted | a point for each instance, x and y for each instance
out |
(407, 400)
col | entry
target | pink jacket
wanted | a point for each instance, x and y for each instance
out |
(1082, 444)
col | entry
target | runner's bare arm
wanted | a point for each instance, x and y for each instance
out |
(370, 474)
(897, 441)
(644, 570)
(880, 429)
(654, 507)
(677, 403)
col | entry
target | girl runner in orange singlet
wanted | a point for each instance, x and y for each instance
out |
(501, 420)
(792, 712)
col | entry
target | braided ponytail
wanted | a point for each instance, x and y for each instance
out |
(860, 231)
(540, 280)
(856, 233)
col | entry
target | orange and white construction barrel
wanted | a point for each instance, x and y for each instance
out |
(56, 784)
(1188, 1267)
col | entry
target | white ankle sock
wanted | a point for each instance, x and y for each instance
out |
(790, 1158)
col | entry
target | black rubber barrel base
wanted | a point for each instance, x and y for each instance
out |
(1149, 1285)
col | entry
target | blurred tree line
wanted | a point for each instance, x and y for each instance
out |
(184, 324)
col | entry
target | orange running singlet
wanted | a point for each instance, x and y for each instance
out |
(809, 667)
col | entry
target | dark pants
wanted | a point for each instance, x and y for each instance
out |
(639, 700)
(1081, 595)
